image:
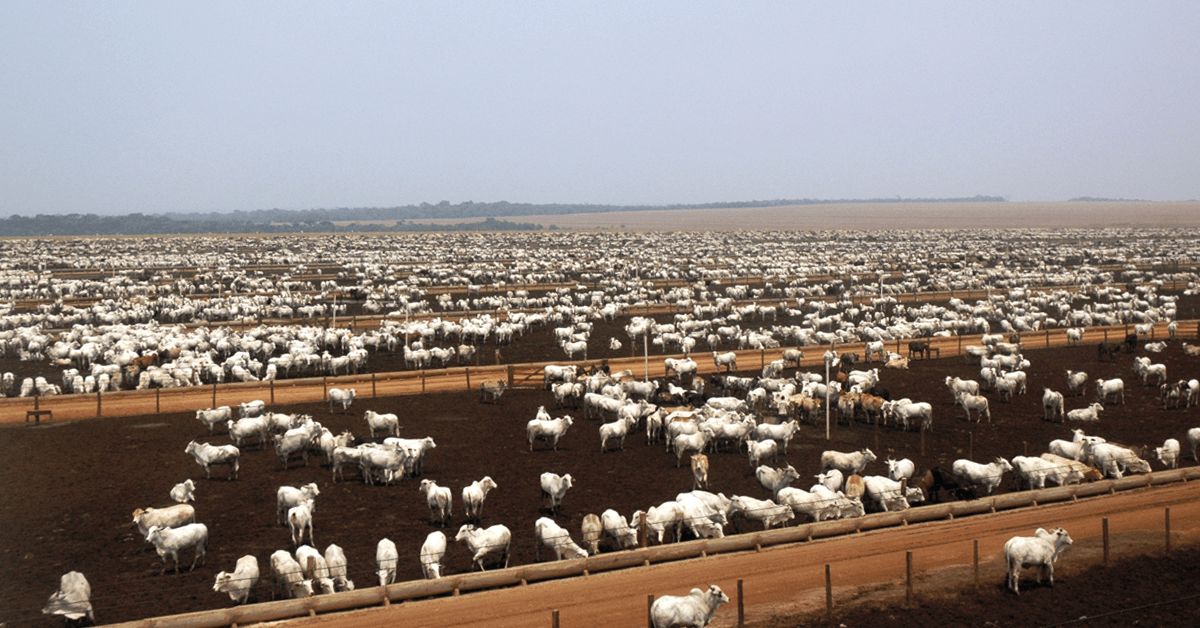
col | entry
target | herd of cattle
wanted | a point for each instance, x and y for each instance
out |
(169, 331)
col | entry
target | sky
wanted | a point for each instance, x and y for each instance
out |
(120, 107)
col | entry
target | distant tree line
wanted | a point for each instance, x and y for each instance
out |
(142, 224)
(1095, 199)
(322, 220)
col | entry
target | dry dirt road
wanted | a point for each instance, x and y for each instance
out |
(790, 579)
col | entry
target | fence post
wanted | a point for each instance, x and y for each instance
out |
(742, 603)
(1168, 527)
(511, 373)
(908, 577)
(272, 392)
(976, 563)
(554, 618)
(467, 371)
(422, 381)
(98, 409)
(373, 393)
(157, 401)
(214, 404)
(649, 608)
(1047, 338)
(1105, 528)
(828, 594)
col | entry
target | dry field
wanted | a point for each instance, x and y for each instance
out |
(872, 216)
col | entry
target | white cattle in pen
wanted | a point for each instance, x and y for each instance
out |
(170, 541)
(774, 479)
(977, 403)
(169, 517)
(288, 497)
(758, 450)
(414, 450)
(679, 367)
(389, 462)
(552, 430)
(659, 518)
(341, 397)
(72, 600)
(299, 519)
(1090, 413)
(1168, 454)
(554, 487)
(312, 562)
(1110, 388)
(568, 393)
(618, 528)
(433, 550)
(492, 541)
(184, 492)
(1116, 461)
(439, 500)
(1158, 371)
(251, 409)
(1074, 336)
(389, 423)
(213, 416)
(848, 463)
(727, 360)
(592, 529)
(1033, 472)
(762, 510)
(687, 443)
(616, 430)
(1052, 404)
(242, 429)
(957, 385)
(694, 610)
(802, 502)
(1039, 551)
(288, 573)
(832, 479)
(207, 456)
(1064, 471)
(782, 432)
(890, 494)
(474, 495)
(974, 474)
(386, 560)
(335, 562)
(900, 469)
(295, 440)
(549, 534)
(1077, 382)
(1193, 437)
(728, 404)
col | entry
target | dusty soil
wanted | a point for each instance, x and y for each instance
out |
(67, 490)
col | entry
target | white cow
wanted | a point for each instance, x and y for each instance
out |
(783, 432)
(300, 518)
(389, 423)
(764, 510)
(240, 583)
(73, 598)
(1052, 404)
(1110, 388)
(617, 429)
(474, 495)
(551, 430)
(1077, 382)
(694, 610)
(287, 572)
(976, 474)
(775, 479)
(335, 561)
(618, 528)
(208, 456)
(169, 541)
(213, 416)
(550, 534)
(850, 464)
(1193, 436)
(341, 397)
(1090, 413)
(288, 497)
(555, 486)
(432, 552)
(439, 500)
(169, 517)
(386, 559)
(485, 542)
(1040, 551)
(184, 492)
(900, 469)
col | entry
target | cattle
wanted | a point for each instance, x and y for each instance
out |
(550, 534)
(213, 416)
(239, 584)
(694, 610)
(1090, 413)
(474, 495)
(1052, 405)
(169, 517)
(439, 500)
(766, 511)
(552, 430)
(170, 541)
(1039, 551)
(977, 403)
(899, 469)
(1168, 454)
(288, 497)
(1110, 388)
(775, 479)
(335, 561)
(592, 528)
(1077, 382)
(492, 541)
(1110, 349)
(208, 456)
(489, 392)
(72, 600)
(554, 487)
(699, 471)
(850, 464)
(342, 398)
(890, 495)
(386, 559)
(432, 552)
(389, 423)
(618, 528)
(618, 430)
(184, 492)
(976, 474)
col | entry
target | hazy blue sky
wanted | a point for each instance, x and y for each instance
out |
(117, 107)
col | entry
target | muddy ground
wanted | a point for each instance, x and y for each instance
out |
(67, 490)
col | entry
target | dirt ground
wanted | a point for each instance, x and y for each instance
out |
(67, 490)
